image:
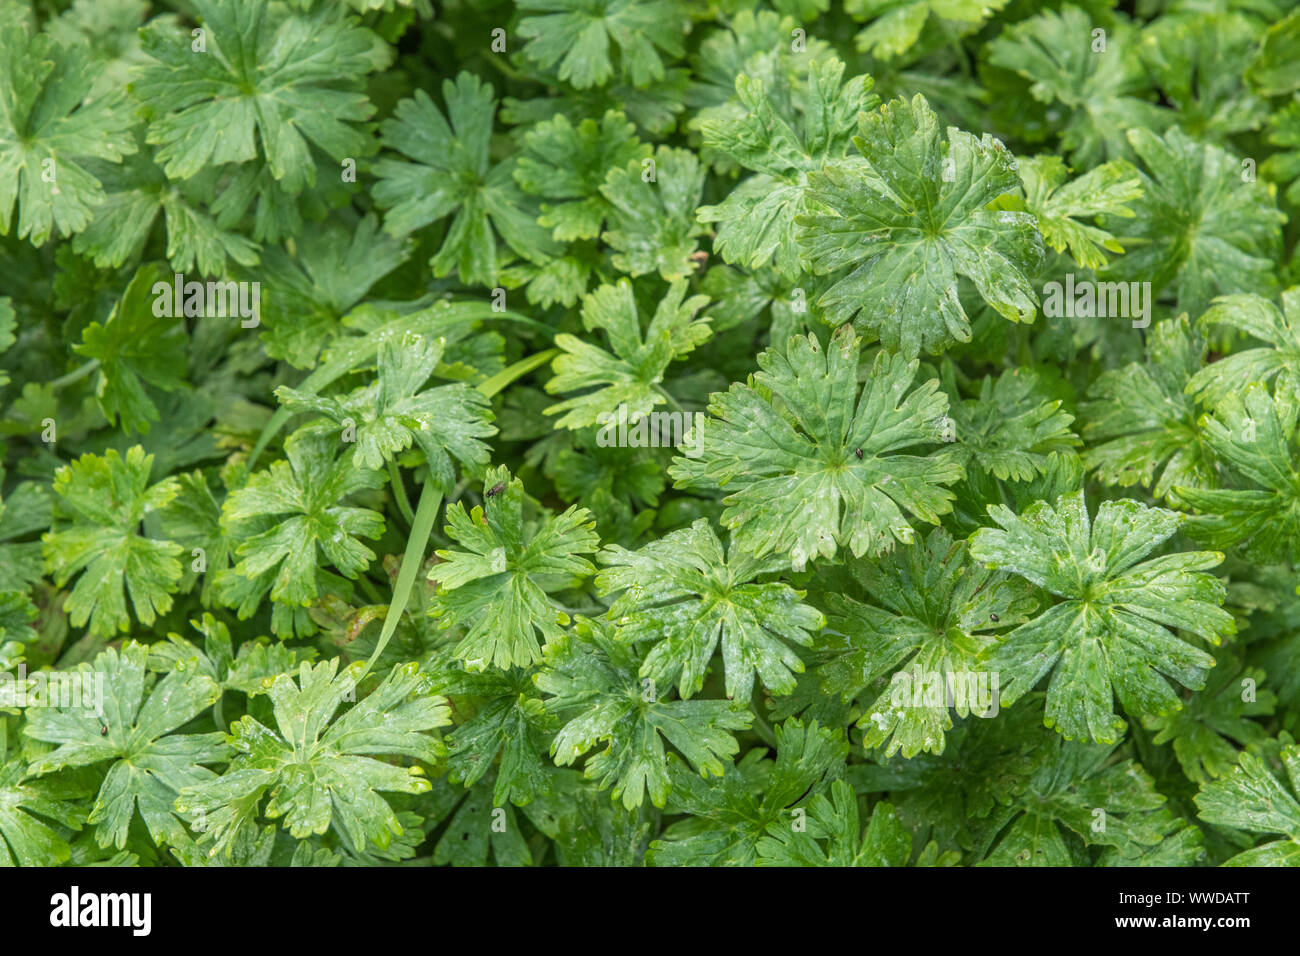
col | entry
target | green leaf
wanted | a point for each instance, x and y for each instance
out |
(1214, 725)
(728, 819)
(1012, 427)
(148, 764)
(631, 376)
(448, 170)
(885, 842)
(266, 76)
(1261, 319)
(593, 682)
(685, 594)
(1098, 80)
(1059, 205)
(1109, 634)
(136, 347)
(50, 128)
(136, 192)
(320, 770)
(507, 726)
(498, 587)
(930, 616)
(783, 134)
(788, 445)
(567, 162)
(290, 514)
(1272, 72)
(896, 25)
(1139, 421)
(1198, 59)
(30, 810)
(385, 418)
(1200, 228)
(1252, 798)
(578, 35)
(310, 291)
(652, 224)
(1079, 790)
(1253, 435)
(904, 231)
(108, 498)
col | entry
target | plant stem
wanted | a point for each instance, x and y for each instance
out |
(399, 493)
(76, 374)
(372, 592)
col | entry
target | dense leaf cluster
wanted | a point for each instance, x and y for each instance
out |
(622, 432)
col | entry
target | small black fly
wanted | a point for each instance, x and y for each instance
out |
(993, 618)
(496, 489)
(858, 452)
(103, 730)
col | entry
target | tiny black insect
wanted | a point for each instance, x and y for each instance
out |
(496, 489)
(993, 618)
(858, 452)
(103, 730)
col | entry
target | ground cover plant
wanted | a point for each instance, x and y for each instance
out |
(649, 432)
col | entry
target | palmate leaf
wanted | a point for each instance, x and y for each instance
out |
(1059, 205)
(1284, 133)
(26, 508)
(1072, 782)
(896, 25)
(930, 616)
(784, 133)
(1140, 425)
(562, 161)
(652, 224)
(906, 230)
(728, 819)
(631, 376)
(249, 672)
(30, 807)
(498, 587)
(593, 679)
(686, 595)
(1103, 93)
(395, 411)
(307, 294)
(586, 827)
(318, 769)
(786, 449)
(1198, 60)
(136, 348)
(49, 127)
(136, 193)
(885, 842)
(1214, 725)
(1261, 319)
(193, 520)
(1251, 797)
(756, 43)
(108, 498)
(502, 724)
(1109, 635)
(578, 34)
(1011, 427)
(1253, 435)
(149, 764)
(448, 170)
(290, 514)
(285, 79)
(1200, 229)
(1271, 72)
